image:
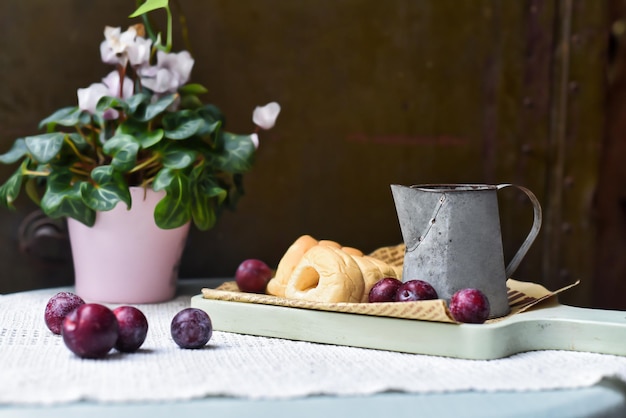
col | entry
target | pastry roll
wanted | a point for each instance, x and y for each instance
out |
(326, 274)
(293, 255)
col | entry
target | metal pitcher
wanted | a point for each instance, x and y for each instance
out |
(453, 239)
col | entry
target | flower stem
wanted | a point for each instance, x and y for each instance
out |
(121, 70)
(147, 182)
(148, 26)
(27, 172)
(168, 47)
(79, 171)
(77, 152)
(144, 164)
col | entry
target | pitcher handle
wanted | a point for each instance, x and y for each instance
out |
(534, 231)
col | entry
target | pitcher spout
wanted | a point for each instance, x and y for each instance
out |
(417, 213)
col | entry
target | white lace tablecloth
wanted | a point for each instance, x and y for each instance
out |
(37, 368)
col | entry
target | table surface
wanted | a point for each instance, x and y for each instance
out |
(606, 399)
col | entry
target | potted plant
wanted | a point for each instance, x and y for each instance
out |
(133, 164)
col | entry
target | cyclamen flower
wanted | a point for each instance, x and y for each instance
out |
(171, 72)
(112, 81)
(123, 47)
(265, 116)
(255, 140)
(88, 97)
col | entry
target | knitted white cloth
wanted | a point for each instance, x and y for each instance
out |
(37, 368)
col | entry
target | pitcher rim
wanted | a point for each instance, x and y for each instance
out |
(451, 187)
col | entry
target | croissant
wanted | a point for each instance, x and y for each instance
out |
(326, 274)
(286, 265)
(326, 271)
(276, 286)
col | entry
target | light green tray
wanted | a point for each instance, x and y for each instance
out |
(547, 326)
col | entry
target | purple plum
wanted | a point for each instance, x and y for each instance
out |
(384, 290)
(58, 307)
(133, 328)
(252, 276)
(414, 290)
(469, 306)
(191, 328)
(90, 331)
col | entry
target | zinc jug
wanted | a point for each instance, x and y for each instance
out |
(453, 238)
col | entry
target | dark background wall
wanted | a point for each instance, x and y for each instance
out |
(373, 93)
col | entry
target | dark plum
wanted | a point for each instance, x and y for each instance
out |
(384, 290)
(191, 328)
(90, 331)
(252, 276)
(469, 306)
(58, 307)
(133, 328)
(414, 290)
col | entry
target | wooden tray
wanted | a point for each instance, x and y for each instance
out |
(548, 325)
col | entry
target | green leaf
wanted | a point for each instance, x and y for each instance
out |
(204, 181)
(135, 101)
(98, 119)
(215, 191)
(238, 154)
(123, 148)
(110, 102)
(140, 131)
(67, 116)
(207, 197)
(149, 112)
(174, 209)
(109, 189)
(210, 128)
(178, 158)
(203, 211)
(132, 127)
(213, 121)
(190, 101)
(163, 179)
(18, 150)
(11, 188)
(193, 88)
(149, 6)
(79, 141)
(63, 198)
(211, 113)
(31, 190)
(148, 139)
(182, 125)
(235, 191)
(45, 147)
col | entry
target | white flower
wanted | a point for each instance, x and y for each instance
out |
(265, 116)
(112, 81)
(171, 72)
(255, 140)
(88, 97)
(123, 47)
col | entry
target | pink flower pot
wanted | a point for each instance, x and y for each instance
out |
(125, 257)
